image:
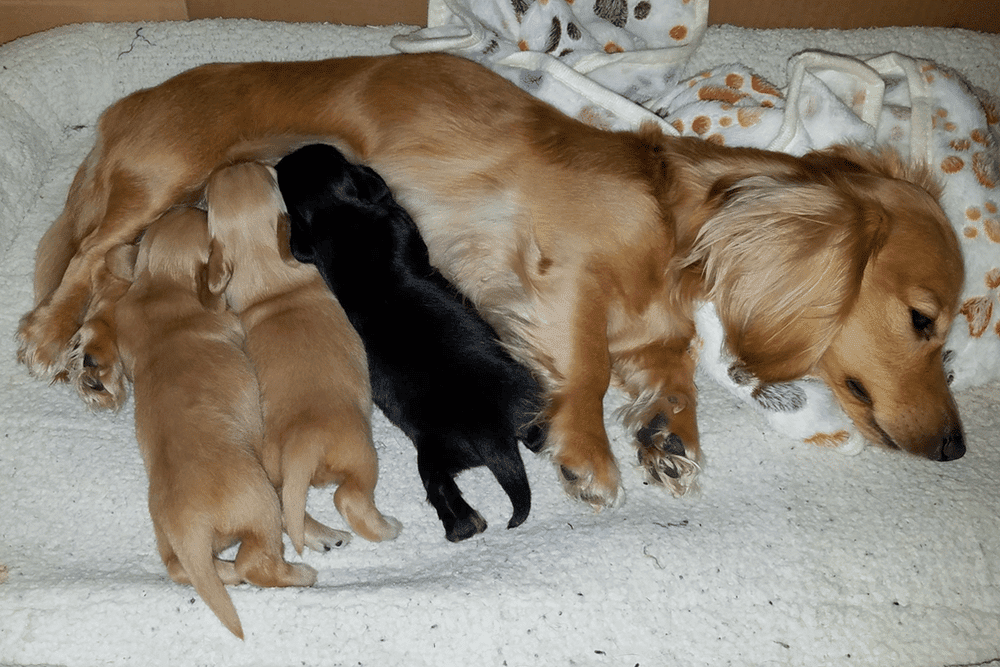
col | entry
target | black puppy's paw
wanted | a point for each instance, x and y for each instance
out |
(462, 528)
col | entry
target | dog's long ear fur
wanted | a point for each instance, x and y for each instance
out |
(215, 277)
(783, 262)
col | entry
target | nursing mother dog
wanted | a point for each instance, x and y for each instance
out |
(587, 250)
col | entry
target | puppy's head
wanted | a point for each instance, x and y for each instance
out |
(320, 185)
(845, 267)
(177, 250)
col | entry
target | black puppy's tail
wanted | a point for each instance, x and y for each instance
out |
(508, 468)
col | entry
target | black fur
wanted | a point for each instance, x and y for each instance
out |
(437, 369)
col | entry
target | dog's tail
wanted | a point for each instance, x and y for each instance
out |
(294, 492)
(507, 466)
(200, 563)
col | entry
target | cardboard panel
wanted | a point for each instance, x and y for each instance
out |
(981, 15)
(350, 12)
(24, 17)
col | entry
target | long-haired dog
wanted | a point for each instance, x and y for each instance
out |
(309, 361)
(586, 249)
(438, 371)
(197, 415)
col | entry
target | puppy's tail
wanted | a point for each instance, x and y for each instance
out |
(294, 491)
(506, 465)
(201, 565)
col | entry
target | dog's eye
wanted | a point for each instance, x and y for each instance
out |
(858, 391)
(922, 324)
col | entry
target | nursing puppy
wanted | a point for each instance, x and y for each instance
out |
(438, 371)
(197, 416)
(310, 363)
(587, 250)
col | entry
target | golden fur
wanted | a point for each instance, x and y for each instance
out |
(586, 249)
(310, 362)
(197, 416)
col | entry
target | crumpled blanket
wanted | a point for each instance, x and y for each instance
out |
(923, 110)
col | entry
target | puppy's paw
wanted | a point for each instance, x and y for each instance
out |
(320, 537)
(43, 344)
(391, 529)
(664, 458)
(95, 369)
(464, 527)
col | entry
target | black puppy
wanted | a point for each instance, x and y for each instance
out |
(437, 369)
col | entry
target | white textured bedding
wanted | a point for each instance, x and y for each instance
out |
(791, 555)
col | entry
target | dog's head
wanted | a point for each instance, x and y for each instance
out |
(846, 267)
(321, 187)
(176, 249)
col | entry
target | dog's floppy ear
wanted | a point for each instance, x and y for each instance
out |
(371, 187)
(121, 260)
(783, 262)
(216, 274)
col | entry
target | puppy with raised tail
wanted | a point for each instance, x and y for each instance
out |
(438, 371)
(310, 362)
(197, 415)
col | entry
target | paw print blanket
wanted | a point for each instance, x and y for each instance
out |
(617, 63)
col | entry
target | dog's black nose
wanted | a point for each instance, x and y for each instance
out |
(953, 446)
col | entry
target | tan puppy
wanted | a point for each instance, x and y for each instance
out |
(587, 250)
(197, 416)
(310, 362)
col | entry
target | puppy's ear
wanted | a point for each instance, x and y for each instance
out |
(121, 261)
(783, 263)
(215, 277)
(284, 241)
(371, 187)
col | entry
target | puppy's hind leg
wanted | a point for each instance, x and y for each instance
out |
(460, 520)
(504, 461)
(355, 496)
(261, 562)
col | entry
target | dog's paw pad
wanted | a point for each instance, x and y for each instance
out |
(465, 527)
(327, 540)
(664, 459)
(97, 375)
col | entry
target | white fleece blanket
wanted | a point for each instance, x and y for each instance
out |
(791, 554)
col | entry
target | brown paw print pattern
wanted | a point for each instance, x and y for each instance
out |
(731, 106)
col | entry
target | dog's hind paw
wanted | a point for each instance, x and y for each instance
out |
(664, 459)
(462, 528)
(320, 537)
(95, 370)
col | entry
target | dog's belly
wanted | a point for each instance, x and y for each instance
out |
(475, 237)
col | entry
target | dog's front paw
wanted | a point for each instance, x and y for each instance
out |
(599, 489)
(43, 343)
(95, 368)
(664, 457)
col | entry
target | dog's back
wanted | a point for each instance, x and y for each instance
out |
(436, 366)
(197, 414)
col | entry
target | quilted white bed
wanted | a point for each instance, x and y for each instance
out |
(792, 554)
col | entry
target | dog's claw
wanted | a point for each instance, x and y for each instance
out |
(664, 458)
(583, 487)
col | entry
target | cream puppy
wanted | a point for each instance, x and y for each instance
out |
(310, 362)
(197, 415)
